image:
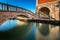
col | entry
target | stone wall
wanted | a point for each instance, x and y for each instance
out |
(54, 10)
(5, 15)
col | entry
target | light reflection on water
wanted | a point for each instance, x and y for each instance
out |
(9, 24)
(31, 35)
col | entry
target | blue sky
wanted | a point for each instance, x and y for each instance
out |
(28, 4)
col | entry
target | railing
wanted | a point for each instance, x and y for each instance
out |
(7, 7)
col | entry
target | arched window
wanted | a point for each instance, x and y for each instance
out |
(44, 13)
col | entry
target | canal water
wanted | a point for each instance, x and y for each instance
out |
(9, 28)
(9, 24)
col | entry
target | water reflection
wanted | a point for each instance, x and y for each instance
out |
(9, 24)
(10, 30)
(31, 35)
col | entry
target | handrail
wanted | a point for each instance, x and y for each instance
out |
(16, 7)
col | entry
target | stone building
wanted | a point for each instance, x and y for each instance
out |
(47, 10)
(49, 7)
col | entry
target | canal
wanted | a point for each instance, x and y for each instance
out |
(9, 30)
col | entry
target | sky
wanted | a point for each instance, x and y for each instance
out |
(28, 4)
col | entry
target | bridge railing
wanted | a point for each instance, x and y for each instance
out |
(8, 7)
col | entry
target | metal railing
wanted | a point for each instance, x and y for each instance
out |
(8, 7)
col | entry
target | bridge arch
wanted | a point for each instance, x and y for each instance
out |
(45, 10)
(44, 15)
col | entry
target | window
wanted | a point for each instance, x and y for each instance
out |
(44, 13)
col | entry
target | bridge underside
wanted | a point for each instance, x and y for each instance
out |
(5, 15)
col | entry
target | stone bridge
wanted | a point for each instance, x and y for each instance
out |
(8, 11)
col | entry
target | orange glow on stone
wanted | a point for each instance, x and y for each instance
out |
(45, 1)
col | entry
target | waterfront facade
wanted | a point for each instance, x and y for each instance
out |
(47, 10)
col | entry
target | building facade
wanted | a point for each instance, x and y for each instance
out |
(48, 7)
(47, 10)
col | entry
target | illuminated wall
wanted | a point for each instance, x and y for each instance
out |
(51, 5)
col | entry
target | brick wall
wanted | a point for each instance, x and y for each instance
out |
(5, 15)
(54, 11)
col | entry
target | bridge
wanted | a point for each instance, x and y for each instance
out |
(9, 11)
